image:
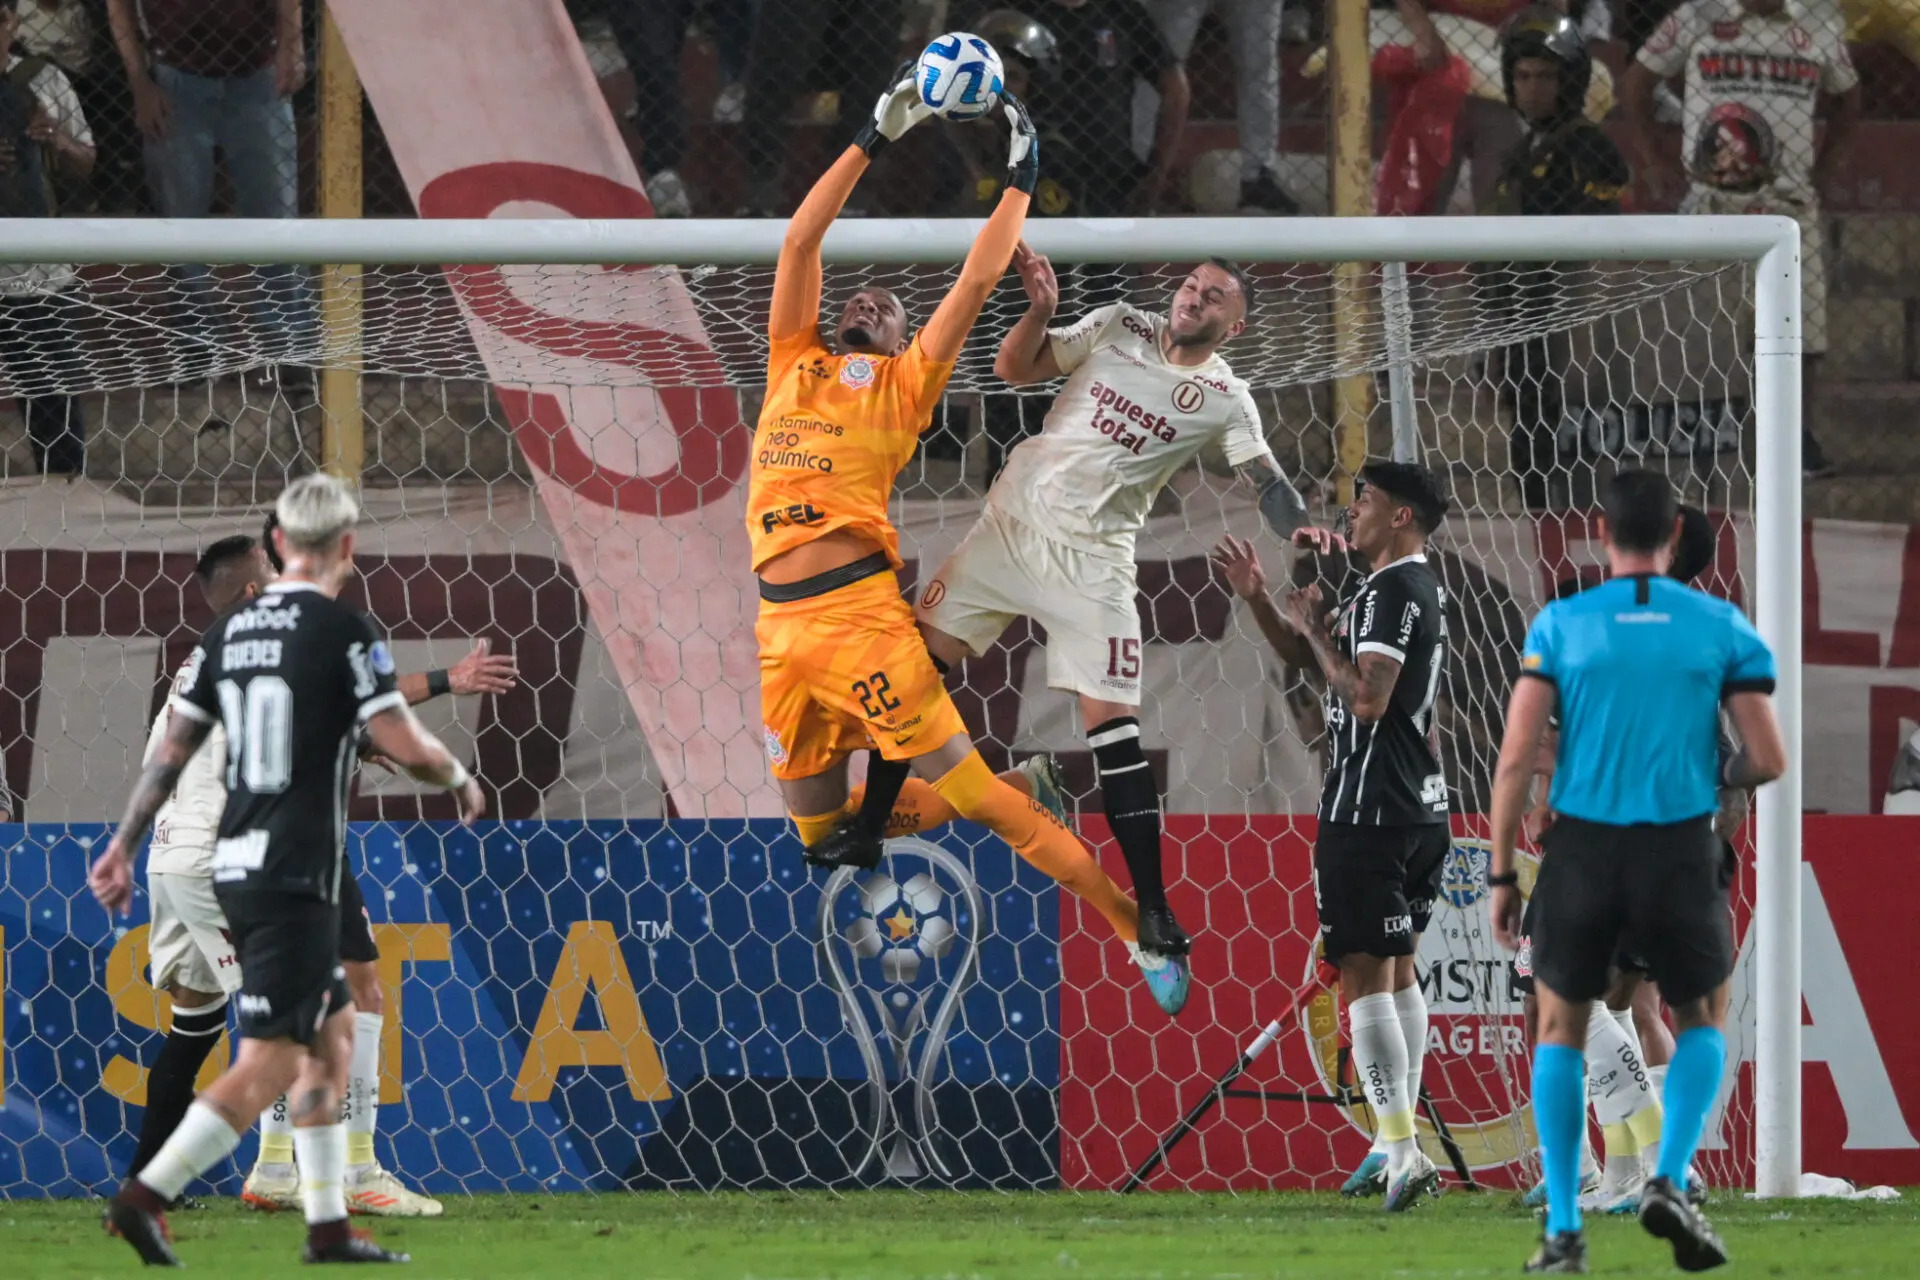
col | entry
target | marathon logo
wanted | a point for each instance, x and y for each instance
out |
(799, 515)
(1727, 68)
(1127, 424)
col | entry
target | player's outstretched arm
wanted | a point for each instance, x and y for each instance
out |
(1240, 564)
(796, 279)
(397, 735)
(993, 248)
(111, 878)
(1026, 353)
(481, 671)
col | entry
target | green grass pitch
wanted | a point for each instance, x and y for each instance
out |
(897, 1235)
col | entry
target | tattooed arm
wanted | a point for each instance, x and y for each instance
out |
(1365, 686)
(112, 876)
(1280, 503)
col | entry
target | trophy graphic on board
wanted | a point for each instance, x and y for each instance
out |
(900, 945)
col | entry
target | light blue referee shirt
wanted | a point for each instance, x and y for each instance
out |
(1641, 665)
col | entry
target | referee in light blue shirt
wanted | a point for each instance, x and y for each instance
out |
(1638, 668)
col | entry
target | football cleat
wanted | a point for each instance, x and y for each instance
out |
(845, 846)
(1370, 1179)
(1536, 1197)
(1617, 1203)
(378, 1194)
(1048, 785)
(271, 1188)
(1420, 1177)
(358, 1246)
(1696, 1186)
(1665, 1213)
(1161, 934)
(1167, 980)
(1564, 1253)
(146, 1232)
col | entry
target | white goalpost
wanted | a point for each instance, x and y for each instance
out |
(621, 359)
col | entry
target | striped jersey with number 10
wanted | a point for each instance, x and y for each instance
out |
(292, 676)
(1387, 773)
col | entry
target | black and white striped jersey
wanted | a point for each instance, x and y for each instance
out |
(292, 675)
(1388, 773)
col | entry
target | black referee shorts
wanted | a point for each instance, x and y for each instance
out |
(356, 926)
(291, 981)
(1374, 886)
(1657, 893)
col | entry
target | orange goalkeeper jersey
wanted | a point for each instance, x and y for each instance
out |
(834, 432)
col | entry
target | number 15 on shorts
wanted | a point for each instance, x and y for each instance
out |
(1123, 657)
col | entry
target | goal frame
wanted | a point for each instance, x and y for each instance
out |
(1770, 243)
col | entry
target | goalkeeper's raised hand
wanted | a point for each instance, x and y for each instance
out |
(1023, 153)
(898, 110)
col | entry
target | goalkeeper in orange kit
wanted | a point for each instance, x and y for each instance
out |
(842, 666)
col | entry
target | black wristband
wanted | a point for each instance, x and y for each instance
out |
(439, 682)
(1505, 880)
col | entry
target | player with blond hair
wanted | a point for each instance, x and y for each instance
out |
(842, 666)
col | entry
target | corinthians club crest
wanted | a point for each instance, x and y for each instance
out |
(900, 945)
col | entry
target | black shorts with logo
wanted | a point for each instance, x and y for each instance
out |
(1624, 961)
(356, 926)
(1655, 893)
(290, 975)
(1374, 886)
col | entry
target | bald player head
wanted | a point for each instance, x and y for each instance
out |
(231, 571)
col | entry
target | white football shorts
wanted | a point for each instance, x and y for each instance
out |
(1004, 569)
(188, 942)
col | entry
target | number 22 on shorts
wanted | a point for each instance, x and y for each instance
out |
(876, 695)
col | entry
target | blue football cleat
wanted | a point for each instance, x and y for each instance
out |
(1370, 1179)
(1169, 983)
(1043, 774)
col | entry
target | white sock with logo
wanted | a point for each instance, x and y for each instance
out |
(1380, 1072)
(360, 1110)
(276, 1141)
(1622, 1099)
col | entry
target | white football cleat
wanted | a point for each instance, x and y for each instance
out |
(1405, 1187)
(378, 1194)
(271, 1188)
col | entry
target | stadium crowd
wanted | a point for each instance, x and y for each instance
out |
(185, 108)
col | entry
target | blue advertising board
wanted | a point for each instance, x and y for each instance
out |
(600, 1005)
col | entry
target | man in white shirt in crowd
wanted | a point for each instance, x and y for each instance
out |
(1755, 71)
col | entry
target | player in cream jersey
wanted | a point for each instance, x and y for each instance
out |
(1143, 395)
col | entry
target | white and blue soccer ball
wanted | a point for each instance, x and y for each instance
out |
(960, 76)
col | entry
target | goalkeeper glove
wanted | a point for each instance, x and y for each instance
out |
(898, 110)
(1023, 153)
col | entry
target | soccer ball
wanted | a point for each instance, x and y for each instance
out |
(959, 76)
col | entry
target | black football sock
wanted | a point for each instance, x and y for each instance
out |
(884, 780)
(170, 1080)
(1132, 801)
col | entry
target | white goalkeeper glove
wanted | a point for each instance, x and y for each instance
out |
(1023, 152)
(898, 110)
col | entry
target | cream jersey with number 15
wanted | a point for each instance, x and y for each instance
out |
(1123, 424)
(187, 825)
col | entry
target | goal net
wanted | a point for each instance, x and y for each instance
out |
(629, 979)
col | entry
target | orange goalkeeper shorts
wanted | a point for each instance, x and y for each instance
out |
(844, 671)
